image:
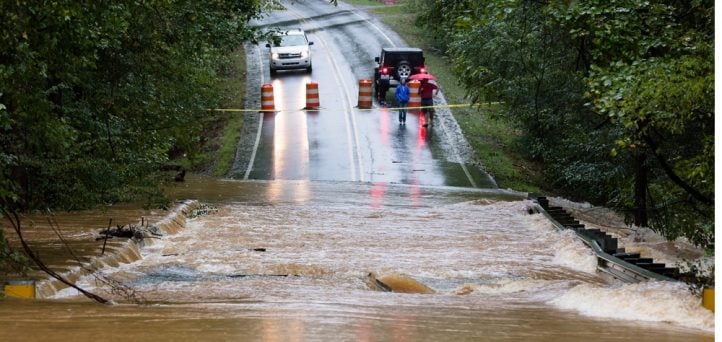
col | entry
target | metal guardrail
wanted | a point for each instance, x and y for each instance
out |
(607, 263)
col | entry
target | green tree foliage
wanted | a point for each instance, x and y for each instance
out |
(511, 51)
(652, 76)
(94, 94)
(614, 97)
(441, 18)
(11, 260)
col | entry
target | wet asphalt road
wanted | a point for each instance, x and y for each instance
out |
(340, 142)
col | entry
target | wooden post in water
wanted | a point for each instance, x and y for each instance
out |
(107, 232)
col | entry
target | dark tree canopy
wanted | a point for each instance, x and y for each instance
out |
(94, 94)
(615, 98)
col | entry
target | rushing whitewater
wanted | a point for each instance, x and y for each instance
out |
(653, 301)
(480, 255)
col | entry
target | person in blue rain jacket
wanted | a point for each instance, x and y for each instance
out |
(402, 98)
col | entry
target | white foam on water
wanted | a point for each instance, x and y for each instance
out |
(570, 251)
(539, 222)
(508, 286)
(67, 292)
(656, 301)
(573, 254)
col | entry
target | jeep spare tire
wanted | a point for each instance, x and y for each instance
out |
(404, 69)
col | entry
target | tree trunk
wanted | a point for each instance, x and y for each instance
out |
(641, 171)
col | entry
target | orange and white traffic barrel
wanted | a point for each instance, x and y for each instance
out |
(312, 95)
(267, 103)
(364, 94)
(415, 98)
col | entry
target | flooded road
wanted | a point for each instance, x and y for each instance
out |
(289, 260)
(328, 199)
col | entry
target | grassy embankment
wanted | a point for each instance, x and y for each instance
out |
(221, 130)
(492, 140)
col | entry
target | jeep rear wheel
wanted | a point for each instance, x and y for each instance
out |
(380, 91)
(404, 69)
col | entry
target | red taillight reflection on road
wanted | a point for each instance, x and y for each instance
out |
(421, 138)
(385, 129)
(378, 192)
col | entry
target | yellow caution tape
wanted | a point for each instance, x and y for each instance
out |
(240, 110)
(330, 109)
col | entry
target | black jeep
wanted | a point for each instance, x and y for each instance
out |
(394, 64)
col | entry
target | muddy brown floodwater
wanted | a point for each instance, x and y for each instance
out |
(289, 261)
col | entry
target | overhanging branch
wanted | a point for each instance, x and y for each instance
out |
(673, 176)
(15, 223)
